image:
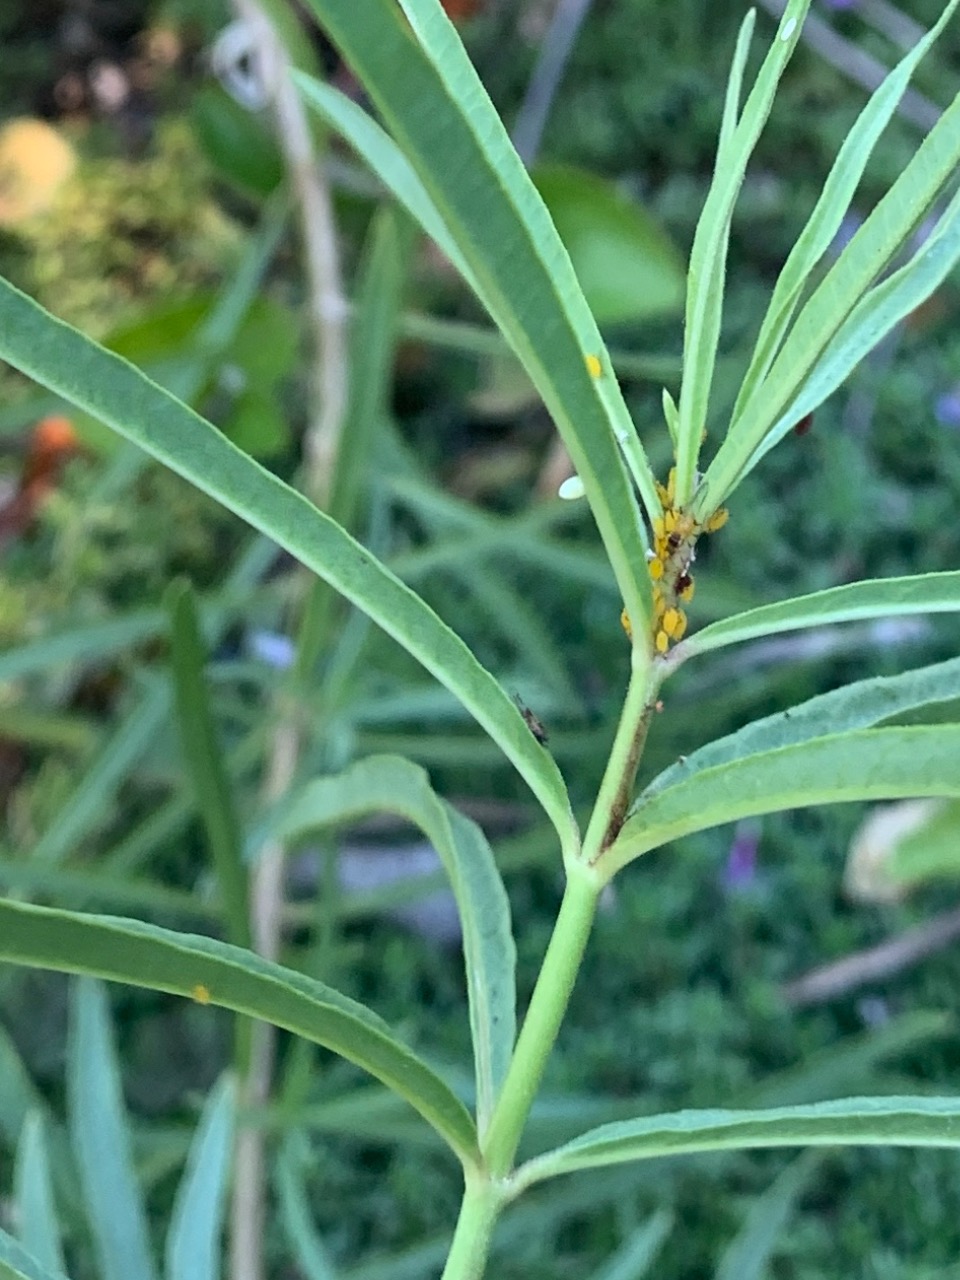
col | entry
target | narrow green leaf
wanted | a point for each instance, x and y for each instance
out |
(131, 854)
(748, 1253)
(853, 706)
(855, 602)
(37, 1224)
(364, 1112)
(193, 1238)
(731, 99)
(637, 1254)
(825, 220)
(244, 286)
(204, 762)
(100, 1134)
(524, 539)
(379, 151)
(52, 353)
(50, 730)
(238, 143)
(671, 416)
(17, 1264)
(857, 1122)
(93, 798)
(870, 764)
(475, 339)
(438, 111)
(373, 338)
(875, 316)
(549, 555)
(98, 641)
(309, 1252)
(219, 974)
(708, 257)
(393, 785)
(92, 641)
(72, 888)
(851, 1064)
(18, 1094)
(872, 248)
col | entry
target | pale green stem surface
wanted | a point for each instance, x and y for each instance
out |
(488, 1187)
(544, 1015)
(468, 1254)
(617, 787)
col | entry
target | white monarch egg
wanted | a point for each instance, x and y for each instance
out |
(571, 489)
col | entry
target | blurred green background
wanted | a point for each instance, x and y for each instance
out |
(165, 193)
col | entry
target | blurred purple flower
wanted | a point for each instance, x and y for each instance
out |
(740, 869)
(947, 408)
(274, 649)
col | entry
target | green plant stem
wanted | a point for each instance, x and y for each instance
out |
(544, 1015)
(617, 786)
(562, 960)
(467, 1258)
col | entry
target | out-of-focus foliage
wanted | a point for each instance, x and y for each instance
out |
(678, 1004)
(123, 233)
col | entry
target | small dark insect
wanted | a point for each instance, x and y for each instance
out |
(804, 425)
(673, 541)
(533, 722)
(683, 583)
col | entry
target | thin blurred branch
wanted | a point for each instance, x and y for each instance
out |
(326, 307)
(326, 406)
(842, 976)
(892, 22)
(858, 65)
(555, 50)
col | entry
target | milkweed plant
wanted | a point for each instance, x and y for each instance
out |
(440, 149)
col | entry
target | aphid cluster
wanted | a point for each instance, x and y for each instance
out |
(675, 536)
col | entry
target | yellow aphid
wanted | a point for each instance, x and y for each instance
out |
(669, 521)
(658, 531)
(681, 629)
(625, 623)
(674, 623)
(594, 367)
(685, 525)
(717, 520)
(662, 642)
(655, 568)
(200, 993)
(672, 484)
